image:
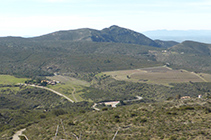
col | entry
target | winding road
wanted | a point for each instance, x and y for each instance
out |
(95, 108)
(60, 94)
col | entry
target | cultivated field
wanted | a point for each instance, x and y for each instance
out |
(206, 76)
(159, 75)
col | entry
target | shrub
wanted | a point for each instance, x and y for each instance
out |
(82, 111)
(104, 109)
(133, 115)
(173, 138)
(186, 108)
(71, 123)
(116, 116)
(22, 138)
(171, 113)
(59, 112)
(143, 120)
(42, 116)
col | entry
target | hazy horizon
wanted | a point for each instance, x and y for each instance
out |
(38, 17)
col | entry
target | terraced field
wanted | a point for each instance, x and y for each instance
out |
(159, 75)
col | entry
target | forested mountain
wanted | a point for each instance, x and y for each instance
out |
(88, 50)
(45, 57)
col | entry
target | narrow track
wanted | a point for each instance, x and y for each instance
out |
(60, 94)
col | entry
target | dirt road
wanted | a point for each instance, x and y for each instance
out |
(60, 94)
(18, 133)
(95, 108)
(73, 94)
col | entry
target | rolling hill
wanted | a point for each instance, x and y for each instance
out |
(192, 47)
(189, 55)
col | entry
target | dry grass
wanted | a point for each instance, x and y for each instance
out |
(159, 75)
(205, 76)
(69, 80)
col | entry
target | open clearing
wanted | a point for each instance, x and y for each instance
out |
(70, 80)
(159, 75)
(71, 87)
(11, 80)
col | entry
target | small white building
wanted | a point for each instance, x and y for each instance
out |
(199, 96)
(113, 104)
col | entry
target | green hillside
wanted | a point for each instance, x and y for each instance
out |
(191, 47)
(31, 58)
(88, 50)
(188, 55)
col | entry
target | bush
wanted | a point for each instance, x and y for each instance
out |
(42, 116)
(133, 115)
(22, 138)
(173, 138)
(186, 108)
(104, 109)
(82, 111)
(71, 123)
(116, 116)
(143, 120)
(59, 112)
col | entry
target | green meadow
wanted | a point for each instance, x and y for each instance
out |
(11, 80)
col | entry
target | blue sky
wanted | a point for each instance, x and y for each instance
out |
(37, 17)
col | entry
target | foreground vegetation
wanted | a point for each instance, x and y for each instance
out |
(21, 106)
(170, 120)
(41, 111)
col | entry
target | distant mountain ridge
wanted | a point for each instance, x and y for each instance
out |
(180, 35)
(112, 34)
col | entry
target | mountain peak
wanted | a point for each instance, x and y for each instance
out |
(113, 33)
(114, 26)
